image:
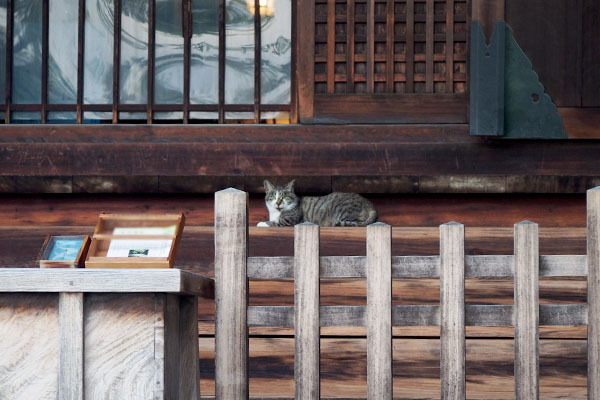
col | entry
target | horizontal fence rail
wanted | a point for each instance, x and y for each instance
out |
(379, 268)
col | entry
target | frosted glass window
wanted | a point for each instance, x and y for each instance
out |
(27, 53)
(168, 54)
(98, 57)
(62, 52)
(2, 51)
(133, 80)
(204, 72)
(239, 53)
(276, 53)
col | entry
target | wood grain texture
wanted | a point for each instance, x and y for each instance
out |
(557, 58)
(306, 306)
(593, 292)
(189, 372)
(171, 352)
(452, 303)
(29, 346)
(379, 311)
(488, 12)
(305, 65)
(119, 349)
(526, 311)
(591, 59)
(98, 280)
(416, 368)
(70, 373)
(231, 293)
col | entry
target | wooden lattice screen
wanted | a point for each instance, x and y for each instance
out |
(383, 60)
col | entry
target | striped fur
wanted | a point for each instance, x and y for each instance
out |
(335, 209)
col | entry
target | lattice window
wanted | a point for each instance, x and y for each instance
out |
(390, 46)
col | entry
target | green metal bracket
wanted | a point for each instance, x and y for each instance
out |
(513, 104)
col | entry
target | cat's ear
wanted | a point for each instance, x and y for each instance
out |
(268, 186)
(290, 186)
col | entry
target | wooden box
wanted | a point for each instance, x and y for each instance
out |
(47, 258)
(135, 241)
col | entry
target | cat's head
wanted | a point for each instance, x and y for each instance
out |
(280, 197)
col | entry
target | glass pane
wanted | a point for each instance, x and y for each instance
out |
(133, 79)
(168, 60)
(98, 57)
(204, 115)
(239, 53)
(133, 115)
(2, 51)
(27, 52)
(239, 116)
(204, 71)
(168, 115)
(276, 51)
(92, 116)
(62, 55)
(62, 117)
(25, 117)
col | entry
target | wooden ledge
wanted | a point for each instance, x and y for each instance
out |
(105, 281)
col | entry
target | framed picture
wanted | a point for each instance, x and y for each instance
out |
(64, 251)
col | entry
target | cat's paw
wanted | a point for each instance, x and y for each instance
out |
(262, 225)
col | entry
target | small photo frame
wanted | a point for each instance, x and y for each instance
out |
(64, 251)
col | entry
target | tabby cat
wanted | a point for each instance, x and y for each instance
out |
(335, 209)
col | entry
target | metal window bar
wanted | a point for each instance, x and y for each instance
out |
(150, 108)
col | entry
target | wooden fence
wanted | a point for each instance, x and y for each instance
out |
(233, 269)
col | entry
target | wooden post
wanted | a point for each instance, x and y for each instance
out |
(526, 314)
(488, 12)
(70, 374)
(231, 294)
(593, 261)
(452, 297)
(306, 311)
(379, 311)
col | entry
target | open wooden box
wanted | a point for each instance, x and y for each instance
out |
(135, 241)
(78, 253)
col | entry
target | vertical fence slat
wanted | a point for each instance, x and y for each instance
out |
(593, 259)
(231, 294)
(379, 311)
(306, 311)
(70, 315)
(452, 297)
(526, 317)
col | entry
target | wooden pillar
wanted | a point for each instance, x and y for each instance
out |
(379, 311)
(231, 294)
(488, 12)
(452, 298)
(306, 311)
(526, 314)
(593, 261)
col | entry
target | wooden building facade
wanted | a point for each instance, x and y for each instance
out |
(372, 96)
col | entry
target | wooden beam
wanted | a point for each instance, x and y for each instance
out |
(452, 300)
(488, 12)
(593, 292)
(526, 316)
(70, 375)
(231, 294)
(379, 311)
(306, 307)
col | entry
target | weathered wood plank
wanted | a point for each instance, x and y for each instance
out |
(593, 292)
(495, 266)
(120, 328)
(189, 372)
(379, 311)
(419, 315)
(526, 311)
(231, 294)
(29, 346)
(306, 305)
(104, 280)
(452, 300)
(70, 374)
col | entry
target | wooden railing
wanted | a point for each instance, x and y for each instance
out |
(233, 269)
